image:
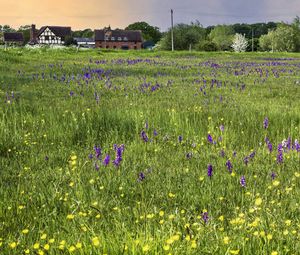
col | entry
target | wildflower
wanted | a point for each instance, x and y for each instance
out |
(72, 248)
(209, 170)
(97, 167)
(155, 132)
(270, 147)
(209, 138)
(266, 123)
(221, 218)
(171, 195)
(43, 236)
(234, 252)
(106, 160)
(269, 236)
(141, 176)
(226, 240)
(274, 253)
(180, 138)
(119, 151)
(25, 231)
(144, 136)
(146, 248)
(189, 155)
(273, 175)
(205, 217)
(194, 244)
(279, 154)
(243, 181)
(36, 246)
(276, 183)
(97, 151)
(13, 245)
(96, 241)
(258, 201)
(222, 128)
(46, 247)
(166, 247)
(70, 217)
(222, 153)
(229, 166)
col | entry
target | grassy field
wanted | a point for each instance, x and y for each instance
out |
(149, 152)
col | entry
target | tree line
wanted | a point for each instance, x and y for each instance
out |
(269, 36)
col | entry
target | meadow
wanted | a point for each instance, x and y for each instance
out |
(149, 152)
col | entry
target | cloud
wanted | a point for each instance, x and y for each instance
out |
(120, 13)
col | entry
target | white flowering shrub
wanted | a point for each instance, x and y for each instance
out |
(240, 43)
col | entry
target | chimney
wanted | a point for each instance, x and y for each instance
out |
(33, 34)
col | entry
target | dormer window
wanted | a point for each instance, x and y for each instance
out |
(113, 38)
(119, 38)
(125, 38)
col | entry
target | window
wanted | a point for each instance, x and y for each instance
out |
(46, 37)
(112, 38)
(119, 38)
(125, 38)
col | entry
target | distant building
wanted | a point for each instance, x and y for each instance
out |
(13, 38)
(85, 42)
(49, 35)
(118, 39)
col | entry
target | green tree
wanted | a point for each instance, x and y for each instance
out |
(6, 28)
(184, 36)
(222, 36)
(296, 28)
(284, 38)
(149, 33)
(26, 32)
(266, 41)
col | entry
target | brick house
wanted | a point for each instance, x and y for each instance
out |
(118, 39)
(49, 35)
(13, 38)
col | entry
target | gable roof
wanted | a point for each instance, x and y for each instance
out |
(131, 35)
(58, 31)
(13, 37)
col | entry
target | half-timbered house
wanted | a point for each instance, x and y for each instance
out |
(49, 35)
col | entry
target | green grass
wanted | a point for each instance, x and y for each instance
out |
(50, 122)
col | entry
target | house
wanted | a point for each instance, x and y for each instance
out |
(13, 38)
(49, 35)
(85, 42)
(118, 39)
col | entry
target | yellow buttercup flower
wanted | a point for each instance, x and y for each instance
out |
(146, 248)
(72, 248)
(25, 231)
(13, 245)
(226, 240)
(96, 241)
(36, 246)
(258, 201)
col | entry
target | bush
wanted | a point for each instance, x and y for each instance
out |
(207, 46)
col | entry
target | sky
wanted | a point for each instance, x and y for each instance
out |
(94, 14)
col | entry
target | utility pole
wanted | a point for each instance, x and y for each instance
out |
(172, 36)
(252, 40)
